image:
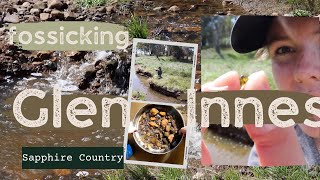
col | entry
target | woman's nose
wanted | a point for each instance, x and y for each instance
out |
(307, 70)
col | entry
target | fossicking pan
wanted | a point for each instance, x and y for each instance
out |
(158, 128)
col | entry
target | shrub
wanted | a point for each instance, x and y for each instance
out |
(137, 28)
(299, 12)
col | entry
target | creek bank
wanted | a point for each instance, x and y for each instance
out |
(161, 89)
(141, 72)
(164, 90)
(109, 74)
(16, 62)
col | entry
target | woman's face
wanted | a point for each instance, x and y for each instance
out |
(294, 47)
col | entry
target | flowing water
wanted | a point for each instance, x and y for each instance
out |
(225, 151)
(14, 136)
(183, 26)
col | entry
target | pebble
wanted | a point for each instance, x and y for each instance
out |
(35, 11)
(110, 9)
(47, 10)
(69, 16)
(158, 8)
(55, 4)
(174, 9)
(11, 18)
(56, 14)
(82, 174)
(39, 5)
(44, 16)
(26, 5)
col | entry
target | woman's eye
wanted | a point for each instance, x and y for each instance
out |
(284, 50)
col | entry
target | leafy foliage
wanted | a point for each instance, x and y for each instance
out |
(299, 12)
(137, 28)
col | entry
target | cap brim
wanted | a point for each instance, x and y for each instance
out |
(249, 33)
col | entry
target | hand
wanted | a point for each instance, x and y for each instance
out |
(131, 129)
(275, 146)
(183, 131)
(228, 81)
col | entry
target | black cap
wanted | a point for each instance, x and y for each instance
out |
(249, 33)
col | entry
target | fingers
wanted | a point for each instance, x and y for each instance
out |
(205, 155)
(131, 129)
(257, 81)
(183, 131)
(228, 81)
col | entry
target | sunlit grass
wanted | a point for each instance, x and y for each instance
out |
(176, 75)
(213, 66)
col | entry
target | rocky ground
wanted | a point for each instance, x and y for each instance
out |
(264, 7)
(111, 70)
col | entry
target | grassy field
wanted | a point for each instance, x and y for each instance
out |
(213, 66)
(176, 75)
(222, 172)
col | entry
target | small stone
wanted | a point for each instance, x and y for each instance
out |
(110, 9)
(20, 2)
(35, 11)
(11, 10)
(47, 10)
(31, 18)
(75, 55)
(69, 16)
(174, 9)
(26, 5)
(21, 11)
(37, 63)
(44, 16)
(275, 14)
(158, 8)
(39, 5)
(193, 8)
(11, 18)
(198, 175)
(56, 14)
(101, 10)
(55, 4)
(82, 174)
(81, 18)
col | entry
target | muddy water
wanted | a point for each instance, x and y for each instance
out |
(141, 84)
(225, 151)
(14, 136)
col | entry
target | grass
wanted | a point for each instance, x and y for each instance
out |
(112, 174)
(302, 13)
(176, 76)
(172, 173)
(137, 28)
(213, 66)
(223, 172)
(91, 3)
(305, 7)
(138, 172)
(136, 95)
